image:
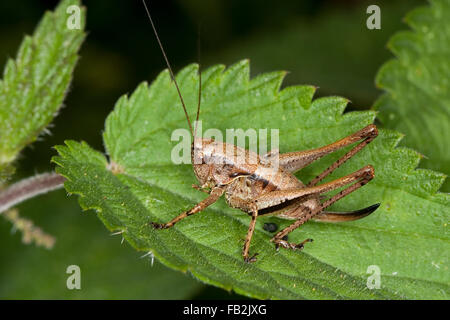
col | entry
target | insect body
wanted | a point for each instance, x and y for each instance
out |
(263, 185)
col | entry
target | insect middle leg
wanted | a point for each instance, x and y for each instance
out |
(215, 194)
(248, 238)
(358, 178)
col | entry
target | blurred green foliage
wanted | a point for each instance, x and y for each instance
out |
(120, 50)
(331, 49)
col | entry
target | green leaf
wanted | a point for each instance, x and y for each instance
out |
(406, 237)
(35, 83)
(417, 85)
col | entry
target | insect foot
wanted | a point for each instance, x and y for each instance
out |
(288, 245)
(250, 259)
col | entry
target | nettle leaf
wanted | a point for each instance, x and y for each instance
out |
(406, 237)
(417, 85)
(35, 83)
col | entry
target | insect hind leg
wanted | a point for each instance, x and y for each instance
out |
(251, 228)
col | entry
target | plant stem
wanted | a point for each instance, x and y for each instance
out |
(29, 188)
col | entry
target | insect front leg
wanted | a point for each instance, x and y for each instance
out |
(215, 194)
(358, 178)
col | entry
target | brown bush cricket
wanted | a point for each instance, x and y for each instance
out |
(262, 187)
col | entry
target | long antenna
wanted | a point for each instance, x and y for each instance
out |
(199, 83)
(168, 66)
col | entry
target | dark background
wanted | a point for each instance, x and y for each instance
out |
(321, 42)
